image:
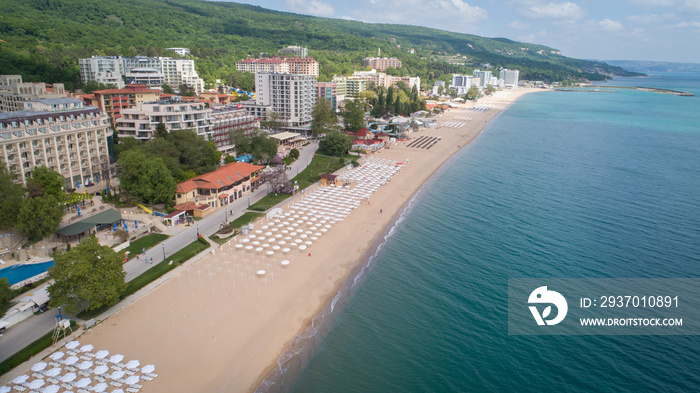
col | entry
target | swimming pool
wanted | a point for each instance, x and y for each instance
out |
(19, 273)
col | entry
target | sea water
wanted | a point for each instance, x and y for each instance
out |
(562, 184)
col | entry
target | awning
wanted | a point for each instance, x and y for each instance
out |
(108, 217)
(41, 297)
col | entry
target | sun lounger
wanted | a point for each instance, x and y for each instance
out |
(70, 368)
(98, 378)
(83, 391)
(146, 377)
(19, 388)
(38, 375)
(53, 381)
(115, 384)
(132, 389)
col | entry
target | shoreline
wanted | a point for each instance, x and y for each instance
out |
(281, 377)
(216, 326)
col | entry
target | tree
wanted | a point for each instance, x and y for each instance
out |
(272, 121)
(145, 177)
(161, 131)
(277, 179)
(414, 93)
(294, 154)
(10, 198)
(185, 90)
(89, 275)
(473, 93)
(335, 143)
(323, 117)
(263, 148)
(354, 116)
(167, 89)
(6, 295)
(242, 97)
(241, 142)
(229, 159)
(50, 181)
(39, 217)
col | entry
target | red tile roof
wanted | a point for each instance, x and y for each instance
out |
(226, 175)
(187, 206)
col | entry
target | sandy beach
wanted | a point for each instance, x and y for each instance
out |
(217, 326)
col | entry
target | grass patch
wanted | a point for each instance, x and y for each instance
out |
(30, 350)
(153, 273)
(236, 224)
(311, 174)
(268, 201)
(137, 246)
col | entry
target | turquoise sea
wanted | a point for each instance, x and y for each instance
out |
(562, 184)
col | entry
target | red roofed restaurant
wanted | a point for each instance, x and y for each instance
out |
(217, 188)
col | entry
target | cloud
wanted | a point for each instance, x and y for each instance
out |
(517, 25)
(693, 24)
(610, 25)
(454, 15)
(652, 3)
(692, 5)
(534, 38)
(311, 7)
(568, 10)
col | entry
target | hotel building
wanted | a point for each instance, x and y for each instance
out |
(283, 65)
(175, 71)
(14, 92)
(113, 101)
(381, 63)
(61, 134)
(140, 122)
(510, 77)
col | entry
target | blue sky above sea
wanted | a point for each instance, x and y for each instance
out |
(653, 30)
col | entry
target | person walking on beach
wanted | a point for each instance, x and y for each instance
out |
(381, 211)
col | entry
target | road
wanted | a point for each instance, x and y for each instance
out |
(31, 329)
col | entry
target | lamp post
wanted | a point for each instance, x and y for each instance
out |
(163, 251)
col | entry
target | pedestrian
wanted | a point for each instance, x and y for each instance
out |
(309, 254)
(381, 211)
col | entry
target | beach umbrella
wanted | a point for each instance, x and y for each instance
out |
(5, 389)
(133, 364)
(68, 377)
(36, 384)
(147, 369)
(114, 227)
(78, 210)
(85, 365)
(100, 387)
(101, 370)
(285, 262)
(72, 345)
(71, 360)
(51, 389)
(86, 348)
(302, 247)
(56, 355)
(116, 358)
(39, 366)
(53, 372)
(82, 383)
(101, 354)
(21, 379)
(286, 250)
(134, 379)
(124, 223)
(116, 375)
(136, 225)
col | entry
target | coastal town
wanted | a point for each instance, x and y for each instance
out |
(319, 155)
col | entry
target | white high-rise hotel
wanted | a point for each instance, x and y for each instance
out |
(510, 77)
(291, 96)
(110, 69)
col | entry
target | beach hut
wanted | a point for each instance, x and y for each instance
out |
(329, 180)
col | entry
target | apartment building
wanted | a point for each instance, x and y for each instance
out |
(290, 96)
(14, 93)
(283, 65)
(140, 122)
(113, 101)
(224, 121)
(58, 133)
(461, 83)
(481, 78)
(180, 51)
(295, 50)
(381, 63)
(329, 91)
(348, 86)
(175, 71)
(384, 80)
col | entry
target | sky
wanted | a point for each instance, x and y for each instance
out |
(652, 30)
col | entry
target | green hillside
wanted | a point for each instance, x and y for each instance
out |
(42, 40)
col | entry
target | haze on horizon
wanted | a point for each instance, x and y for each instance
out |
(651, 30)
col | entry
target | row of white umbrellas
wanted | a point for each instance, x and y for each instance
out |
(61, 370)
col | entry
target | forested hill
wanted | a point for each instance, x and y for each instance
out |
(43, 39)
